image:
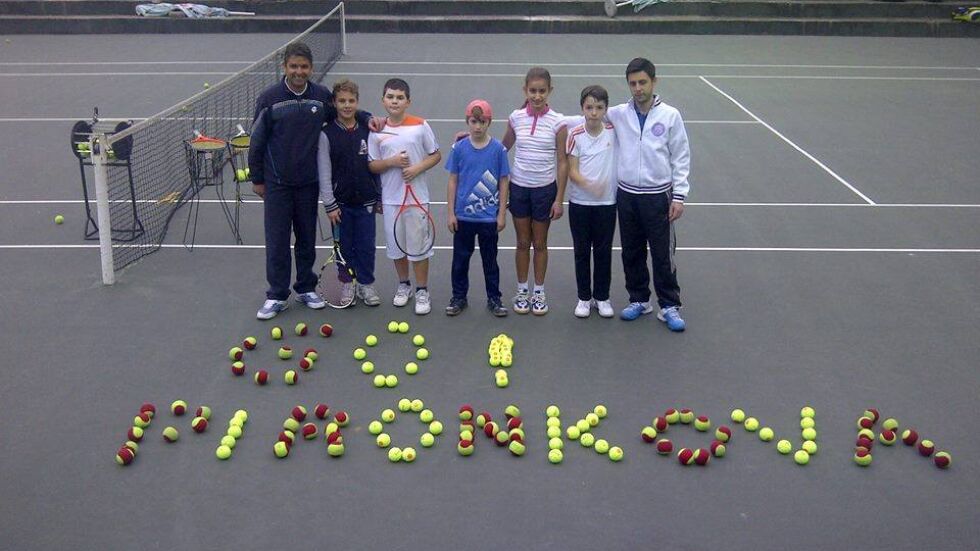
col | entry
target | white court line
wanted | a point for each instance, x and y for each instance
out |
(15, 202)
(790, 142)
(458, 120)
(550, 248)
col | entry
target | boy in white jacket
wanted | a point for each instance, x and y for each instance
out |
(654, 162)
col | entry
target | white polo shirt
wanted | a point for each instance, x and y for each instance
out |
(535, 164)
(414, 136)
(596, 163)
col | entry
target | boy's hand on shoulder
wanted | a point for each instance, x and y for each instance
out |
(676, 211)
(377, 124)
(453, 223)
(557, 210)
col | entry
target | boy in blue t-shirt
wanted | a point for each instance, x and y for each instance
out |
(478, 186)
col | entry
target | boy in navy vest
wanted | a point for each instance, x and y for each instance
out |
(350, 192)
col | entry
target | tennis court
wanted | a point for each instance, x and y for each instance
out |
(828, 256)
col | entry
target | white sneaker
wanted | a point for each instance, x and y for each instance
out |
(270, 308)
(605, 309)
(368, 295)
(539, 303)
(348, 293)
(422, 304)
(401, 295)
(583, 309)
(312, 300)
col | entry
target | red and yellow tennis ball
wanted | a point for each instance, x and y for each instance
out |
(280, 449)
(512, 411)
(135, 434)
(701, 457)
(926, 447)
(910, 437)
(942, 460)
(660, 424)
(483, 418)
(306, 364)
(276, 333)
(309, 431)
(203, 411)
(290, 377)
(648, 434)
(862, 456)
(865, 423)
(149, 409)
(502, 438)
(235, 354)
(124, 456)
(867, 433)
(515, 423)
(298, 413)
(864, 442)
(887, 437)
(335, 449)
(702, 423)
(287, 436)
(321, 411)
(178, 408)
(291, 424)
(142, 420)
(465, 447)
(261, 377)
(199, 424)
(342, 418)
(334, 437)
(672, 416)
(890, 424)
(685, 456)
(718, 448)
(170, 434)
(285, 352)
(517, 447)
(311, 353)
(250, 343)
(872, 413)
(132, 445)
(465, 412)
(665, 447)
(300, 329)
(238, 368)
(723, 434)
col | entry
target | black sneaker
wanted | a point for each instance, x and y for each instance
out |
(496, 308)
(456, 305)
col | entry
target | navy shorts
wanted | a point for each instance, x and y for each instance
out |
(533, 202)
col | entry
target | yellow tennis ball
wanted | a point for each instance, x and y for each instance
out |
(435, 427)
(360, 354)
(391, 381)
(276, 333)
(426, 416)
(375, 427)
(422, 353)
(411, 368)
(615, 454)
(751, 424)
(766, 434)
(395, 455)
(587, 440)
(427, 440)
(383, 440)
(573, 433)
(810, 447)
(392, 326)
(403, 327)
(784, 447)
(738, 416)
(809, 434)
(555, 456)
(601, 446)
(807, 423)
(601, 411)
(371, 340)
(388, 416)
(59, 219)
(379, 381)
(404, 405)
(556, 444)
(417, 405)
(367, 368)
(807, 412)
(418, 340)
(801, 457)
(553, 411)
(228, 440)
(223, 452)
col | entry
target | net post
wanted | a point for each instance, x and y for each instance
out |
(100, 156)
(343, 28)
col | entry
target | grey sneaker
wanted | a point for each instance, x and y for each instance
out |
(312, 300)
(496, 308)
(522, 302)
(271, 308)
(401, 295)
(539, 304)
(368, 295)
(422, 304)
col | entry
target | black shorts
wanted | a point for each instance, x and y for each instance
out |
(533, 202)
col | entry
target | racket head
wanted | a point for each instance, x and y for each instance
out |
(336, 281)
(415, 231)
(203, 143)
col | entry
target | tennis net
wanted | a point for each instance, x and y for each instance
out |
(147, 178)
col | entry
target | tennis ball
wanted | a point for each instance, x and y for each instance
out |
(124, 456)
(426, 416)
(648, 434)
(411, 368)
(807, 423)
(483, 418)
(491, 429)
(306, 364)
(926, 447)
(149, 409)
(309, 431)
(801, 457)
(392, 326)
(291, 425)
(601, 446)
(809, 447)
(234, 432)
(751, 424)
(281, 449)
(312, 354)
(204, 411)
(178, 407)
(170, 434)
(427, 440)
(238, 368)
(723, 434)
(235, 353)
(738, 415)
(503, 382)
(665, 447)
(206, 85)
(375, 427)
(685, 456)
(388, 416)
(334, 437)
(132, 445)
(395, 455)
(555, 456)
(223, 452)
(718, 448)
(422, 353)
(556, 444)
(287, 436)
(862, 457)
(465, 447)
(228, 441)
(807, 412)
(326, 330)
(615, 454)
(867, 433)
(135, 434)
(552, 411)
(809, 434)
(672, 416)
(367, 367)
(404, 405)
(199, 424)
(865, 423)
(391, 381)
(360, 354)
(301, 329)
(890, 424)
(784, 447)
(321, 411)
(702, 423)
(943, 460)
(466, 435)
(371, 340)
(660, 424)
(403, 327)
(142, 421)
(571, 432)
(872, 413)
(887, 437)
(517, 447)
(59, 219)
(701, 456)
(587, 440)
(583, 426)
(240, 175)
(435, 428)
(512, 411)
(285, 352)
(418, 340)
(766, 434)
(250, 343)
(290, 377)
(335, 449)
(379, 381)
(342, 418)
(408, 455)
(909, 437)
(601, 411)
(592, 419)
(686, 416)
(417, 405)
(865, 442)
(554, 432)
(276, 333)
(383, 440)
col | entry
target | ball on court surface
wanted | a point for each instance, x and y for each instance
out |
(290, 424)
(326, 330)
(135, 434)
(660, 424)
(862, 457)
(383, 440)
(417, 405)
(178, 408)
(465, 447)
(491, 429)
(555, 456)
(335, 449)
(391, 381)
(235, 353)
(403, 327)
(371, 340)
(801, 457)
(867, 433)
(601, 446)
(238, 368)
(427, 440)
(926, 447)
(375, 427)
(751, 424)
(864, 423)
(665, 447)
(910, 437)
(285, 352)
(555, 443)
(379, 381)
(204, 411)
(124, 456)
(342, 418)
(250, 343)
(587, 440)
(615, 454)
(59, 219)
(809, 447)
(723, 434)
(686, 416)
(276, 333)
(411, 368)
(395, 455)
(404, 405)
(512, 411)
(718, 448)
(672, 416)
(809, 434)
(388, 416)
(648, 434)
(942, 460)
(807, 412)
(422, 353)
(223, 452)
(554, 432)
(435, 427)
(737, 416)
(170, 434)
(207, 85)
(890, 424)
(148, 408)
(552, 411)
(229, 441)
(360, 354)
(887, 437)
(701, 457)
(241, 414)
(287, 436)
(334, 437)
(784, 446)
(312, 354)
(306, 364)
(392, 326)
(517, 447)
(321, 411)
(872, 413)
(426, 416)
(309, 431)
(418, 340)
(571, 432)
(280, 449)
(766, 434)
(301, 329)
(685, 456)
(199, 424)
(702, 423)
(234, 432)
(583, 426)
(408, 455)
(290, 377)
(592, 419)
(132, 445)
(142, 420)
(601, 411)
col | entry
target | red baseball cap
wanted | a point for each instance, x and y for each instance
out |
(484, 106)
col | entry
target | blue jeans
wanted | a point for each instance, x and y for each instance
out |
(290, 210)
(463, 246)
(357, 238)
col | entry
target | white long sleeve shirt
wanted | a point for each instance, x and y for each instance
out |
(655, 158)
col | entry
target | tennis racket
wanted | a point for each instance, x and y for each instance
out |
(415, 231)
(336, 283)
